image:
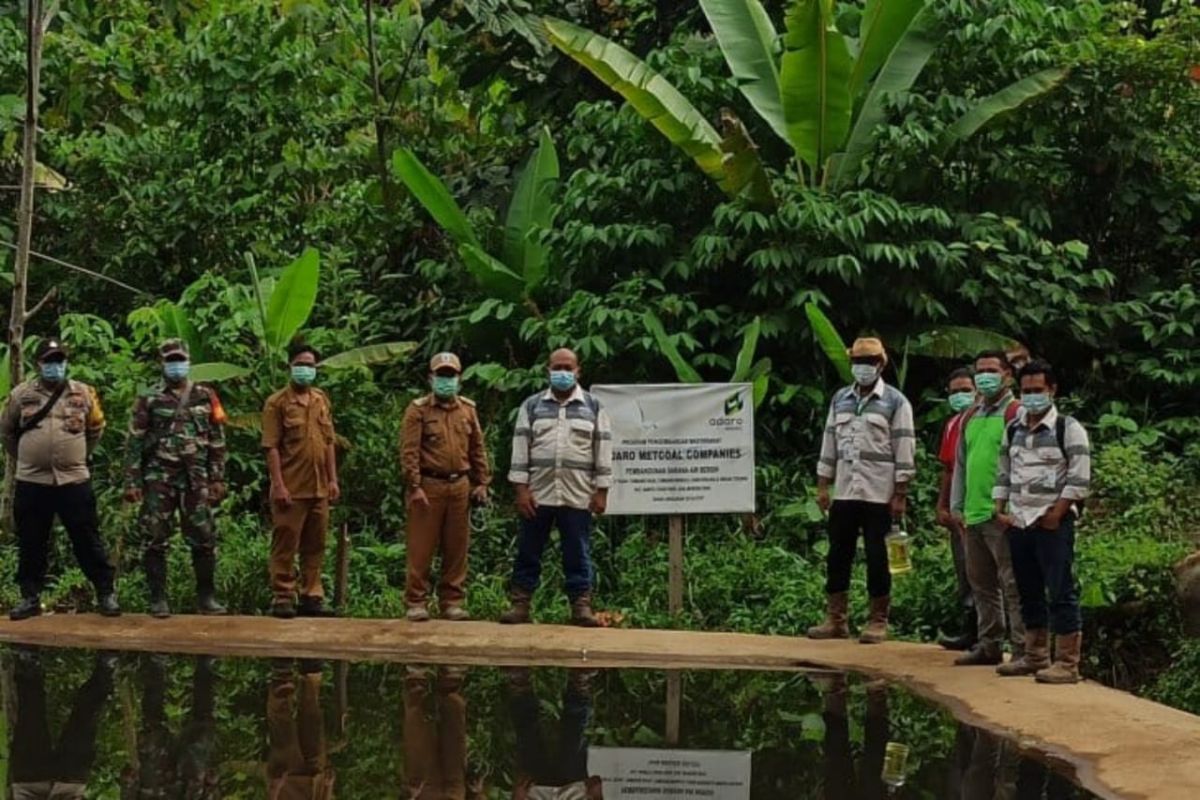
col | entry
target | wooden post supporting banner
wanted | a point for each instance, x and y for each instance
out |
(342, 574)
(674, 705)
(675, 564)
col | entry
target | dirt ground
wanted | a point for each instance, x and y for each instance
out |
(1120, 746)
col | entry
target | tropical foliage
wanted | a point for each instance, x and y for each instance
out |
(729, 189)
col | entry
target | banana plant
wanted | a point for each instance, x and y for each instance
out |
(284, 307)
(745, 368)
(730, 159)
(946, 341)
(523, 262)
(820, 91)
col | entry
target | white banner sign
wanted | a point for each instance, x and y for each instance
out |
(681, 448)
(662, 774)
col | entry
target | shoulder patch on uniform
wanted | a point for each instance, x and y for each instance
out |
(421, 401)
(468, 401)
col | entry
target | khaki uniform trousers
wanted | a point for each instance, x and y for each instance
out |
(446, 525)
(435, 738)
(298, 529)
(298, 763)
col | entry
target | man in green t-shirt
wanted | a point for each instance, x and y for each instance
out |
(989, 564)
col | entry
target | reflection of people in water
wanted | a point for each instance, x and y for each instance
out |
(298, 765)
(435, 735)
(991, 768)
(556, 771)
(40, 769)
(170, 766)
(841, 780)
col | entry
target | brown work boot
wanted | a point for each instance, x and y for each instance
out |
(454, 613)
(876, 630)
(981, 655)
(1036, 657)
(1065, 668)
(518, 611)
(837, 606)
(581, 612)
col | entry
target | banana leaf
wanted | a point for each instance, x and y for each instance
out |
(956, 341)
(744, 169)
(292, 301)
(369, 355)
(434, 196)
(651, 95)
(904, 64)
(530, 212)
(745, 358)
(217, 371)
(1007, 99)
(683, 370)
(815, 82)
(177, 325)
(748, 40)
(495, 278)
(830, 340)
(884, 22)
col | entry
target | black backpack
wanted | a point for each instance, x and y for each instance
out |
(1060, 437)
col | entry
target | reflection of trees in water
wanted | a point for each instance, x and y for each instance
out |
(481, 731)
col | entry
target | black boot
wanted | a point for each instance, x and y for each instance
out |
(205, 564)
(28, 607)
(106, 602)
(968, 638)
(155, 562)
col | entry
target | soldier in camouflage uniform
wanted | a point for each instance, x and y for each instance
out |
(175, 463)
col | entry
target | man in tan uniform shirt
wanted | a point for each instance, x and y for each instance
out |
(446, 467)
(50, 426)
(298, 437)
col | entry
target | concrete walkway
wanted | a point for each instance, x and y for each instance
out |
(1120, 746)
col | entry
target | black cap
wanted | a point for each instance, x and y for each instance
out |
(49, 347)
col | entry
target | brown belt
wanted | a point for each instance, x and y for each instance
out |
(448, 477)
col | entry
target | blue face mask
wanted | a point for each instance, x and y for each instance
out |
(176, 371)
(961, 401)
(445, 386)
(988, 383)
(53, 371)
(303, 374)
(562, 379)
(865, 374)
(1037, 402)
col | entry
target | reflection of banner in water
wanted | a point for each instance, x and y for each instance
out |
(681, 448)
(652, 774)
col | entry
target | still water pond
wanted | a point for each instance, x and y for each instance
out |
(78, 724)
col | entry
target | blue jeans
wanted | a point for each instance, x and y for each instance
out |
(1043, 564)
(575, 531)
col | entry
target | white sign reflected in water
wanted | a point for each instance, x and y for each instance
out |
(671, 774)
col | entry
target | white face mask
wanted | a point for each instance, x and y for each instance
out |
(865, 374)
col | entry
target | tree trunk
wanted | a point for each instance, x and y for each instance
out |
(34, 29)
(381, 148)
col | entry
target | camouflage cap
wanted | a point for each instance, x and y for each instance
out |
(443, 361)
(173, 347)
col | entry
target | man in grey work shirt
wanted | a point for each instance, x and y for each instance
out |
(1044, 474)
(561, 470)
(868, 452)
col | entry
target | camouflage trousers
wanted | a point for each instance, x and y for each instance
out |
(170, 497)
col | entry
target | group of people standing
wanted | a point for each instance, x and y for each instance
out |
(1015, 474)
(175, 470)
